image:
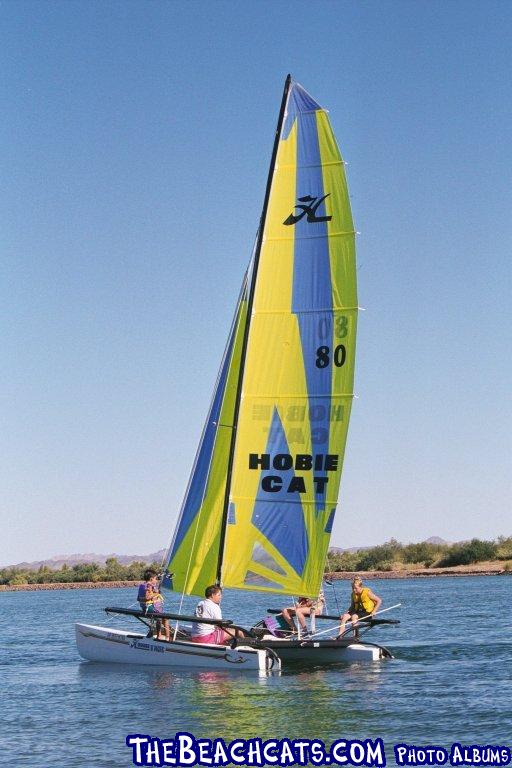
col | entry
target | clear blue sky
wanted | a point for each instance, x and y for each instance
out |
(136, 139)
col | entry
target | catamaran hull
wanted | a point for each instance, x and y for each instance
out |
(321, 656)
(325, 652)
(118, 646)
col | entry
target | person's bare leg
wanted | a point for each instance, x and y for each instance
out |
(301, 614)
(344, 619)
(287, 616)
(230, 634)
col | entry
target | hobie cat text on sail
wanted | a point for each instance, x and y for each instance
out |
(302, 462)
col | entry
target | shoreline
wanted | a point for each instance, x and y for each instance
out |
(68, 585)
(481, 569)
(424, 573)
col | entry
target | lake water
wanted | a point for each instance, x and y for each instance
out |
(451, 680)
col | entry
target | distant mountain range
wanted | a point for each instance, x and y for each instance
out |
(55, 563)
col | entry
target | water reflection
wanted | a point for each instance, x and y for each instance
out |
(442, 686)
(162, 681)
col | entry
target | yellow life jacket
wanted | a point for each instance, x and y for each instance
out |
(156, 597)
(362, 601)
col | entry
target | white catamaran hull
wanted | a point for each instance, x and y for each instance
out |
(121, 646)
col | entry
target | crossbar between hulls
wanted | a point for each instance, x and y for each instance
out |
(174, 616)
(278, 612)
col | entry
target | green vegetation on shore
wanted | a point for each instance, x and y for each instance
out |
(390, 556)
(393, 556)
(83, 572)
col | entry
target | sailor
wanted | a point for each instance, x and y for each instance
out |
(305, 606)
(364, 603)
(209, 608)
(151, 601)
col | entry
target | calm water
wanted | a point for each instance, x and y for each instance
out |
(451, 680)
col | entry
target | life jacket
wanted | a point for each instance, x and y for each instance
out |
(362, 601)
(156, 598)
(145, 601)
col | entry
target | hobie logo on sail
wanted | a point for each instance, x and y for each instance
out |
(301, 461)
(309, 210)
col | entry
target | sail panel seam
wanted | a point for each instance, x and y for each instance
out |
(303, 311)
(300, 502)
(267, 239)
(308, 111)
(337, 396)
(312, 165)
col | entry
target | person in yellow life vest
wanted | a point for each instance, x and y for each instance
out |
(364, 603)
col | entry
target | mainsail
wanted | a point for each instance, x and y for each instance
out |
(263, 493)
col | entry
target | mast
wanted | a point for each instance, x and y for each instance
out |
(250, 302)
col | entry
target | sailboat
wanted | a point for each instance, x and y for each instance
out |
(259, 507)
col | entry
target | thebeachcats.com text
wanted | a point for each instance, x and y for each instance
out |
(185, 750)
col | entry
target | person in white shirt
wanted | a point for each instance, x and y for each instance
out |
(209, 608)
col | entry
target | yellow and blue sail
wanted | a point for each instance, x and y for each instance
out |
(290, 399)
(194, 552)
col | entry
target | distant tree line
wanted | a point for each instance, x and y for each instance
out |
(386, 557)
(392, 555)
(111, 571)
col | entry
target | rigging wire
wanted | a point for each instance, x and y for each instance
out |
(112, 616)
(354, 623)
(330, 583)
